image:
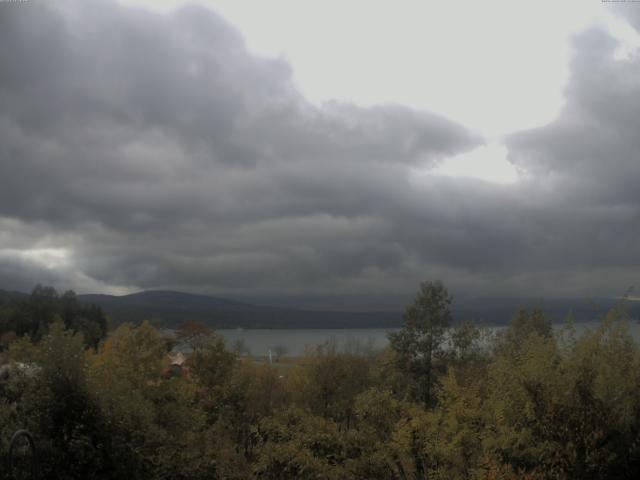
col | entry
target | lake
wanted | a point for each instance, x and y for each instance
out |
(260, 341)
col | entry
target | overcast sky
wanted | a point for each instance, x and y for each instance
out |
(323, 148)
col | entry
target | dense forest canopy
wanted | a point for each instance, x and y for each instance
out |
(33, 315)
(441, 402)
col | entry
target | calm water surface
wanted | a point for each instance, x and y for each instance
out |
(260, 341)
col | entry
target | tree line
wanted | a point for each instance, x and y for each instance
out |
(32, 316)
(442, 401)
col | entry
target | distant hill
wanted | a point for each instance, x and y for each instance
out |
(499, 311)
(6, 295)
(170, 308)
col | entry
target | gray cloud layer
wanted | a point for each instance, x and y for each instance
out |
(149, 151)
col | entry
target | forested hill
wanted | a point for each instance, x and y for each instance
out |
(6, 296)
(171, 308)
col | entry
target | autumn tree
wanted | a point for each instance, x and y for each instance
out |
(156, 429)
(194, 334)
(524, 324)
(329, 382)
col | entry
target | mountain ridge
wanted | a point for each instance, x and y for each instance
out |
(170, 308)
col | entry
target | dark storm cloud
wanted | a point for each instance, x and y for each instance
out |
(148, 151)
(21, 275)
(170, 156)
(586, 166)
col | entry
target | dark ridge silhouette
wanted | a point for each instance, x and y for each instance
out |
(170, 308)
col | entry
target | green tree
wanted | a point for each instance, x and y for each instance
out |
(58, 408)
(419, 344)
(212, 365)
(33, 315)
(465, 340)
